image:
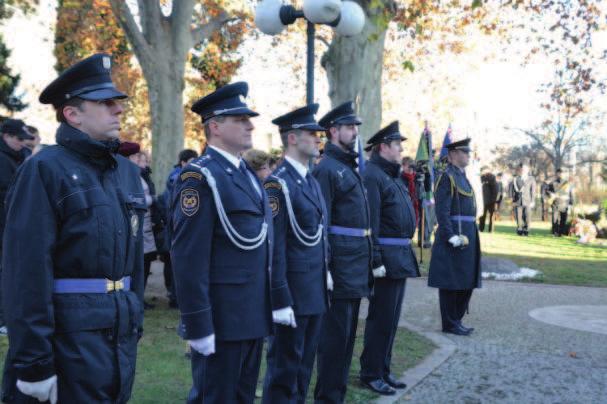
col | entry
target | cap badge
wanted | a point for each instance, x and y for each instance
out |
(106, 62)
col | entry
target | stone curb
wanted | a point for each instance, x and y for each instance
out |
(415, 375)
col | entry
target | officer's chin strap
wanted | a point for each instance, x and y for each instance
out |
(233, 235)
(305, 239)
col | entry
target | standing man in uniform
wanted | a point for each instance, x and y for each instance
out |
(299, 269)
(455, 267)
(221, 254)
(12, 154)
(73, 252)
(349, 275)
(523, 199)
(392, 227)
(561, 200)
(490, 190)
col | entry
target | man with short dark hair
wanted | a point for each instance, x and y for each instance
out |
(561, 201)
(489, 186)
(221, 252)
(392, 227)
(73, 252)
(349, 275)
(12, 154)
(522, 191)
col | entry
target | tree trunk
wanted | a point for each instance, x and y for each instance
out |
(354, 68)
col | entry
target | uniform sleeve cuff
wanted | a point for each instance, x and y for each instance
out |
(281, 297)
(196, 325)
(36, 372)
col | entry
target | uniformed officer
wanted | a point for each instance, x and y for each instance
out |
(561, 200)
(221, 254)
(73, 257)
(522, 191)
(455, 264)
(299, 270)
(392, 227)
(349, 273)
(13, 152)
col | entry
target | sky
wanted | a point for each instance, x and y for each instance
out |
(488, 96)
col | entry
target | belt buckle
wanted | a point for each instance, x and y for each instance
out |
(111, 286)
(367, 232)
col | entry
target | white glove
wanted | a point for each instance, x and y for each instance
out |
(532, 205)
(379, 272)
(455, 241)
(205, 346)
(284, 316)
(45, 390)
(329, 281)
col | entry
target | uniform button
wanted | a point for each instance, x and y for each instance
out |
(120, 232)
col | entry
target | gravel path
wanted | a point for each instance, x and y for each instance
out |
(511, 357)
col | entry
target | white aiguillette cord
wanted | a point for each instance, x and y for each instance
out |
(237, 239)
(305, 239)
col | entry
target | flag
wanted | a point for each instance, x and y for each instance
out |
(424, 154)
(446, 141)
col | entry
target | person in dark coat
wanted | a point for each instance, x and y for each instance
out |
(455, 266)
(490, 191)
(349, 276)
(12, 154)
(500, 195)
(561, 200)
(392, 227)
(221, 234)
(522, 191)
(299, 290)
(73, 252)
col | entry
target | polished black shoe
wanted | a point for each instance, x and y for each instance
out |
(392, 382)
(379, 387)
(468, 329)
(457, 330)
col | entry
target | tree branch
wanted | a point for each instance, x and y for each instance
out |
(181, 21)
(126, 20)
(204, 31)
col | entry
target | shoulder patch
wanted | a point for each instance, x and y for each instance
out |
(274, 204)
(191, 174)
(272, 184)
(189, 201)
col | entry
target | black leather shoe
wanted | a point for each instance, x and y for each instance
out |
(457, 330)
(469, 329)
(392, 382)
(379, 387)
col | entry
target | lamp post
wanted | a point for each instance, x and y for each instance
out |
(346, 17)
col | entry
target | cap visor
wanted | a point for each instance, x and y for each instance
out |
(315, 128)
(102, 94)
(25, 136)
(241, 111)
(348, 120)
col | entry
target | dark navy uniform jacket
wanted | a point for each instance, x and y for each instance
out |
(455, 268)
(221, 288)
(9, 162)
(298, 271)
(346, 201)
(74, 211)
(392, 216)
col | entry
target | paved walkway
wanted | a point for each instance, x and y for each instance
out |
(513, 357)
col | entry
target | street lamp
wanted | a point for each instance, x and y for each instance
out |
(346, 17)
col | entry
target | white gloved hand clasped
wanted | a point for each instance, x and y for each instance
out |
(329, 281)
(204, 346)
(44, 390)
(379, 272)
(455, 241)
(284, 316)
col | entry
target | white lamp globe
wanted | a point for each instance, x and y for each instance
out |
(352, 20)
(321, 11)
(267, 17)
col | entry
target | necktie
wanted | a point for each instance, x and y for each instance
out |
(245, 172)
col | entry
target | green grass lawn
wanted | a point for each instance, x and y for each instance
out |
(163, 373)
(560, 259)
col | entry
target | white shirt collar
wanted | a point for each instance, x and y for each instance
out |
(300, 168)
(229, 156)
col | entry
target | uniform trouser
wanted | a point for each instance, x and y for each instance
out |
(290, 359)
(559, 222)
(148, 258)
(453, 306)
(523, 217)
(490, 210)
(1, 305)
(335, 350)
(380, 328)
(168, 276)
(227, 376)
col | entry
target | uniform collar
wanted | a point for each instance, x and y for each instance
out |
(348, 158)
(392, 169)
(99, 153)
(300, 168)
(228, 156)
